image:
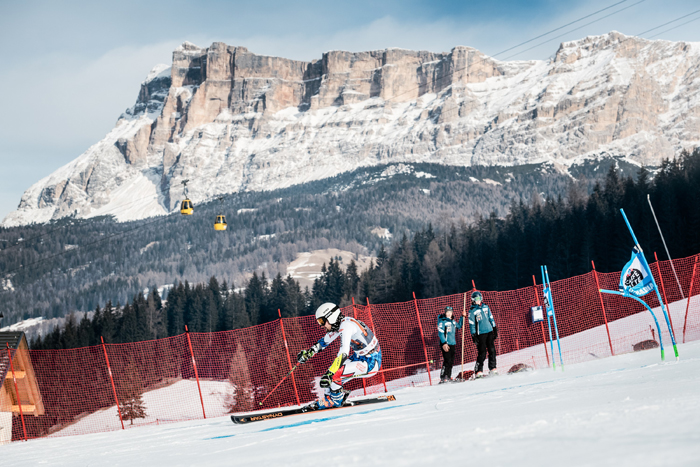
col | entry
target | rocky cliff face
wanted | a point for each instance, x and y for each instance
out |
(229, 120)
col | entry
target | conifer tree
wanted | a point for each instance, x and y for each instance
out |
(130, 395)
(241, 397)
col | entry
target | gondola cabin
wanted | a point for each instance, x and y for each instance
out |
(18, 384)
(186, 208)
(220, 223)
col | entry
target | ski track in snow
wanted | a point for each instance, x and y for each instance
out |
(631, 409)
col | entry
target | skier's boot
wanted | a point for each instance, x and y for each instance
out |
(493, 372)
(346, 393)
(479, 374)
(333, 399)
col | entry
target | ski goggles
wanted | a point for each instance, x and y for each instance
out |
(322, 320)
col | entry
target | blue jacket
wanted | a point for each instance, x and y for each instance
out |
(480, 319)
(446, 329)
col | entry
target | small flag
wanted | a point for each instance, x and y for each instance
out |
(636, 278)
(547, 301)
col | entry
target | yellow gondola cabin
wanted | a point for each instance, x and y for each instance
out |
(186, 208)
(220, 223)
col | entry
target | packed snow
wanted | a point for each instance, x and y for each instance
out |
(626, 410)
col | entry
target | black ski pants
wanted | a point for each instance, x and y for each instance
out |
(485, 343)
(448, 359)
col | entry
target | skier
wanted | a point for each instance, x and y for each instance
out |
(359, 355)
(446, 330)
(484, 333)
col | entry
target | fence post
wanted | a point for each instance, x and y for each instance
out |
(196, 375)
(544, 339)
(114, 389)
(19, 401)
(425, 351)
(602, 305)
(371, 323)
(690, 295)
(663, 290)
(289, 360)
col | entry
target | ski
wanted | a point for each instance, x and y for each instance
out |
(258, 417)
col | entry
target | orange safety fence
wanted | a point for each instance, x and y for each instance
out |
(154, 381)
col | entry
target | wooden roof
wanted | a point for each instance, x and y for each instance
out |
(22, 392)
(14, 339)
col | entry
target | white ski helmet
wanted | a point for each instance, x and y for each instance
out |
(328, 312)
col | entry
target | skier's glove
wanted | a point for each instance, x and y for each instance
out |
(495, 332)
(304, 355)
(326, 380)
(475, 338)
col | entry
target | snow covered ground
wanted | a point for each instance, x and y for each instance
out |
(626, 410)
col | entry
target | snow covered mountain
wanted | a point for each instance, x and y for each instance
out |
(230, 121)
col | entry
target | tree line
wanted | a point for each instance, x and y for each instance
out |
(207, 307)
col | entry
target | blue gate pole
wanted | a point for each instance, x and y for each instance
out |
(656, 288)
(554, 316)
(658, 328)
(549, 326)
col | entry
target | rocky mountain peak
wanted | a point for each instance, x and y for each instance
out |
(230, 120)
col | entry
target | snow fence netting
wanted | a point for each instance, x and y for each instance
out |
(194, 375)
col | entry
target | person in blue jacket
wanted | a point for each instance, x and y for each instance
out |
(446, 330)
(484, 333)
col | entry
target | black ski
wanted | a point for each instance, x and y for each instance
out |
(258, 417)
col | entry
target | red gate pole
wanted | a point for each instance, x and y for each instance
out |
(690, 295)
(114, 389)
(19, 401)
(544, 339)
(663, 290)
(371, 323)
(602, 305)
(196, 375)
(425, 351)
(464, 325)
(354, 315)
(289, 360)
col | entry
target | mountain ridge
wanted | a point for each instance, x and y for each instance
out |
(233, 121)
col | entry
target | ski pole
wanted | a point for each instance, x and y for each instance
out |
(281, 381)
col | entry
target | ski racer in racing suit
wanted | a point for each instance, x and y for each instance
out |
(359, 355)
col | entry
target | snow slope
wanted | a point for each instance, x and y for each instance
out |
(625, 410)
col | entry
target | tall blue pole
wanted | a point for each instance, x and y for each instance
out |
(658, 328)
(554, 316)
(549, 326)
(656, 288)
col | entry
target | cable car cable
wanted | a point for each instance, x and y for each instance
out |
(672, 21)
(675, 27)
(576, 29)
(557, 29)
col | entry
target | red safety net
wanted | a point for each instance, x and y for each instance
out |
(198, 375)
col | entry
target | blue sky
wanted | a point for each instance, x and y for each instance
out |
(68, 69)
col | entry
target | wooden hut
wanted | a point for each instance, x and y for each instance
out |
(20, 388)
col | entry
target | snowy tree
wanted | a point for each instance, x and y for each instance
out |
(240, 399)
(130, 395)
